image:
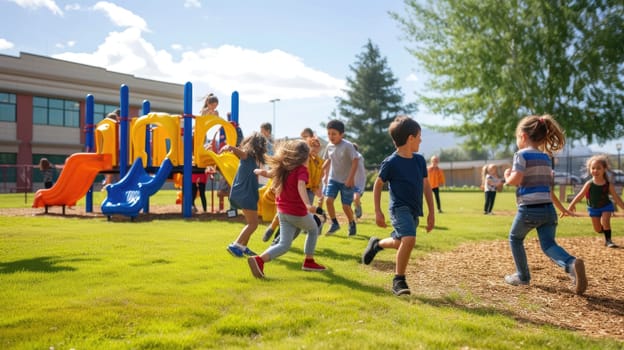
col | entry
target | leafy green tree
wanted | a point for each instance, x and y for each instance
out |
(493, 62)
(372, 101)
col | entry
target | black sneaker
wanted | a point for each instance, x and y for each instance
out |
(399, 287)
(267, 234)
(371, 250)
(352, 229)
(610, 244)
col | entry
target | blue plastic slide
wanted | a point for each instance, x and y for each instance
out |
(129, 195)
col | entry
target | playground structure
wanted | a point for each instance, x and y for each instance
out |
(149, 140)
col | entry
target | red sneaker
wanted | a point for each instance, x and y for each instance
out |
(311, 265)
(256, 264)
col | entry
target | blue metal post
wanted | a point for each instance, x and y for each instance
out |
(89, 145)
(148, 146)
(234, 116)
(188, 151)
(123, 137)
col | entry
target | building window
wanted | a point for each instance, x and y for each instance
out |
(7, 107)
(8, 167)
(56, 111)
(101, 110)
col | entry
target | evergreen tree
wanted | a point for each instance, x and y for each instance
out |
(493, 62)
(372, 101)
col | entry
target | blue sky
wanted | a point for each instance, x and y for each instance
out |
(297, 51)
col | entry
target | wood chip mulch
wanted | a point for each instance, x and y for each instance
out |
(471, 277)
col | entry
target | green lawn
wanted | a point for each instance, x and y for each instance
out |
(86, 283)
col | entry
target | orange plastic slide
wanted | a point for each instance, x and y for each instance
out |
(75, 180)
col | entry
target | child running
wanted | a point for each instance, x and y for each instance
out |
(290, 173)
(597, 191)
(537, 137)
(341, 162)
(244, 192)
(406, 172)
(313, 187)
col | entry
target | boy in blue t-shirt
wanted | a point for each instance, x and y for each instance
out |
(406, 174)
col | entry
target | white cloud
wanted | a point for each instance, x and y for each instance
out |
(35, 4)
(411, 77)
(120, 16)
(69, 43)
(257, 76)
(192, 3)
(72, 7)
(176, 47)
(5, 44)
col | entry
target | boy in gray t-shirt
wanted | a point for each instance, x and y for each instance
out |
(339, 167)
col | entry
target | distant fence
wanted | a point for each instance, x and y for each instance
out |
(22, 178)
(27, 177)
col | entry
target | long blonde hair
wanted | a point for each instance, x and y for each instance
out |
(288, 156)
(544, 132)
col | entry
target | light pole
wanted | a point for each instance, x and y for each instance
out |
(274, 127)
(618, 146)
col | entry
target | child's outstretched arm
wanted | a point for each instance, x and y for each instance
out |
(262, 172)
(380, 219)
(429, 199)
(237, 151)
(560, 206)
(616, 197)
(579, 196)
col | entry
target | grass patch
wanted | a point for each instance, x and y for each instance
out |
(86, 283)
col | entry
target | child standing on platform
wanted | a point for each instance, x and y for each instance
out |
(406, 174)
(537, 138)
(244, 191)
(339, 167)
(597, 191)
(290, 173)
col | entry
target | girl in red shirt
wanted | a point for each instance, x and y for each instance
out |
(290, 174)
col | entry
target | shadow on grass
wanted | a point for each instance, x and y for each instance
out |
(49, 264)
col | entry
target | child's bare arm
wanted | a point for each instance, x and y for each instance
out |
(578, 197)
(560, 206)
(616, 198)
(380, 219)
(237, 151)
(429, 199)
(513, 178)
(351, 178)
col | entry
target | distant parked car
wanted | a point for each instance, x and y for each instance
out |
(617, 176)
(564, 178)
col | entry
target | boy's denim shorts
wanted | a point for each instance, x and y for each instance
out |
(597, 212)
(346, 193)
(404, 221)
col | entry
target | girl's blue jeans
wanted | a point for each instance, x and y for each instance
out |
(542, 217)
